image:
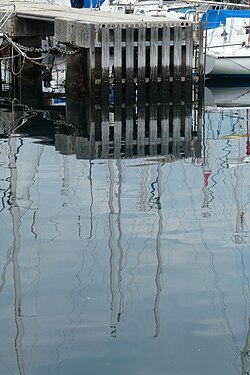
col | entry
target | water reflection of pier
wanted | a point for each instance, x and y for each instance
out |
(116, 253)
(116, 130)
(123, 130)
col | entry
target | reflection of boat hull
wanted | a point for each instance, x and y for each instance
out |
(226, 96)
(233, 62)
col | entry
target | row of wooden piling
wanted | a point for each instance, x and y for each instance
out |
(131, 56)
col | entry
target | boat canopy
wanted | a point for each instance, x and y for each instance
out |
(215, 17)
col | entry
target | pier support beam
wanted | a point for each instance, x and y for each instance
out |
(76, 74)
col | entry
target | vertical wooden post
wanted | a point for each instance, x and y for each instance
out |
(85, 76)
(130, 63)
(97, 76)
(105, 64)
(105, 92)
(141, 62)
(118, 63)
(165, 59)
(177, 58)
(189, 52)
(186, 86)
(153, 60)
(91, 62)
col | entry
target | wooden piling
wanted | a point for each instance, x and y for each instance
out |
(130, 63)
(117, 68)
(177, 58)
(141, 63)
(153, 59)
(165, 60)
(105, 62)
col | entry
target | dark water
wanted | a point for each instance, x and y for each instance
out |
(125, 245)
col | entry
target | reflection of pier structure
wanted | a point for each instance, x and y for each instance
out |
(171, 130)
(125, 131)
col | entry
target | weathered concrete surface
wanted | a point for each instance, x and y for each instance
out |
(71, 25)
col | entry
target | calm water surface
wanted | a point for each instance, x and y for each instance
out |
(134, 265)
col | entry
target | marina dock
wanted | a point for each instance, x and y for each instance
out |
(128, 54)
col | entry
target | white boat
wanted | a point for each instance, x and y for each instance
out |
(152, 8)
(228, 61)
(227, 50)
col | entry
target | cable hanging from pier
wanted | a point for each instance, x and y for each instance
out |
(21, 50)
(39, 49)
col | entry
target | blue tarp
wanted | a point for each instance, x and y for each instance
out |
(84, 3)
(214, 17)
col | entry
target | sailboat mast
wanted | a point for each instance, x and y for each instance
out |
(248, 25)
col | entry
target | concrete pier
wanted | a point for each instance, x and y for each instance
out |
(132, 54)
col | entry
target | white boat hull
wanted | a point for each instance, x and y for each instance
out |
(228, 61)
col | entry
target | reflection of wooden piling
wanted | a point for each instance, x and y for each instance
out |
(105, 131)
(153, 130)
(129, 130)
(141, 130)
(187, 130)
(125, 130)
(176, 131)
(164, 129)
(117, 131)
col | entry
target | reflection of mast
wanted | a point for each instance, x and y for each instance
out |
(244, 354)
(247, 158)
(91, 200)
(112, 252)
(206, 174)
(159, 258)
(238, 237)
(239, 225)
(16, 220)
(116, 308)
(65, 179)
(120, 265)
(115, 315)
